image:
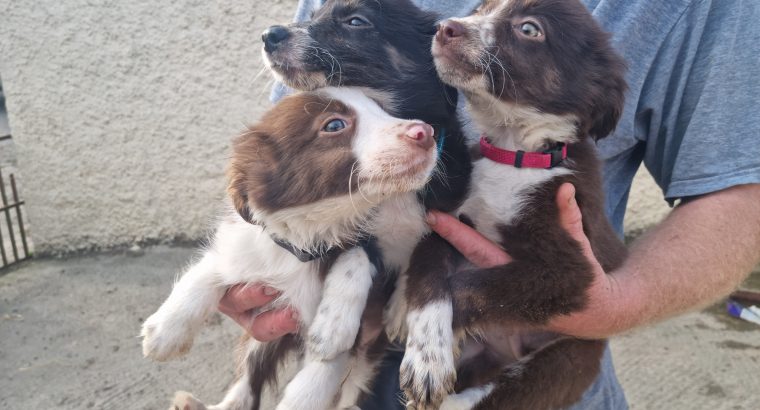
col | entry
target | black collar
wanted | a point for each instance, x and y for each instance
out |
(301, 254)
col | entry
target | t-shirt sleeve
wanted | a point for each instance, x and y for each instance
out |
(303, 13)
(700, 108)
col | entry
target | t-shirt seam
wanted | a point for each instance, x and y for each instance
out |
(702, 185)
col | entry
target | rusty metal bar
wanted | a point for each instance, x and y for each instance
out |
(18, 204)
(8, 218)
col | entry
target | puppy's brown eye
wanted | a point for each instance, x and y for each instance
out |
(334, 125)
(529, 29)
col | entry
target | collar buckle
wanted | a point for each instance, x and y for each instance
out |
(558, 154)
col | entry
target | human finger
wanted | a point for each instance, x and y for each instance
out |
(273, 324)
(571, 219)
(474, 246)
(241, 298)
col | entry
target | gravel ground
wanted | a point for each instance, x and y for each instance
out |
(69, 341)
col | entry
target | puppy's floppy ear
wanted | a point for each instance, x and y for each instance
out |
(238, 193)
(606, 118)
(243, 173)
(611, 101)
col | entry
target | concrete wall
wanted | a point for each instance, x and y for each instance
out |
(122, 112)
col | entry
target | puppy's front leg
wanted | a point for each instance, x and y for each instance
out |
(331, 334)
(339, 314)
(316, 385)
(170, 331)
(427, 371)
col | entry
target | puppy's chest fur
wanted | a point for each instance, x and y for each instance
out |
(401, 224)
(245, 253)
(499, 193)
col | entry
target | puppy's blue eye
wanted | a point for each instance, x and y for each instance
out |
(334, 125)
(357, 22)
(530, 30)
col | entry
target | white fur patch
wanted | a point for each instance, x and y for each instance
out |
(401, 226)
(316, 384)
(515, 126)
(387, 163)
(467, 399)
(344, 297)
(499, 192)
(428, 365)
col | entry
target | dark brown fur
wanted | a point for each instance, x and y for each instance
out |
(571, 70)
(281, 162)
(543, 253)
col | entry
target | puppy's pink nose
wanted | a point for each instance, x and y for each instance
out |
(420, 134)
(449, 30)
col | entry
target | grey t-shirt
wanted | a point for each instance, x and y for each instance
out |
(691, 112)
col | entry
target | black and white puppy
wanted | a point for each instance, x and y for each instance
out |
(541, 81)
(383, 46)
(315, 174)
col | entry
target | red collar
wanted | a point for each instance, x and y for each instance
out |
(520, 159)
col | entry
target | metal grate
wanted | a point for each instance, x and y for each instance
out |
(13, 244)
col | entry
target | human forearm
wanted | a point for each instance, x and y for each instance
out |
(699, 253)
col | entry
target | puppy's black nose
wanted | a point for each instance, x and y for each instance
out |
(273, 36)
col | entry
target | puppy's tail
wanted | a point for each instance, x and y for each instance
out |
(263, 364)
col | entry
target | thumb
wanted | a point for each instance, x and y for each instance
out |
(570, 217)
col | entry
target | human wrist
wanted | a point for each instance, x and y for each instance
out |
(612, 302)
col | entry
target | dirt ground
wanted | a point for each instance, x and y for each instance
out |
(68, 340)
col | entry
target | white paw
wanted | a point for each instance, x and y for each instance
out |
(428, 372)
(185, 401)
(332, 332)
(164, 339)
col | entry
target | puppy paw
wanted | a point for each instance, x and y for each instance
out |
(428, 372)
(331, 333)
(185, 401)
(427, 376)
(165, 339)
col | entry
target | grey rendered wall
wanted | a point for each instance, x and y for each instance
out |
(122, 111)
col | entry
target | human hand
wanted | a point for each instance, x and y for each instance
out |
(240, 302)
(480, 251)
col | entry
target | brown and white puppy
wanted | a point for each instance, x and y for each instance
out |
(535, 74)
(307, 183)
